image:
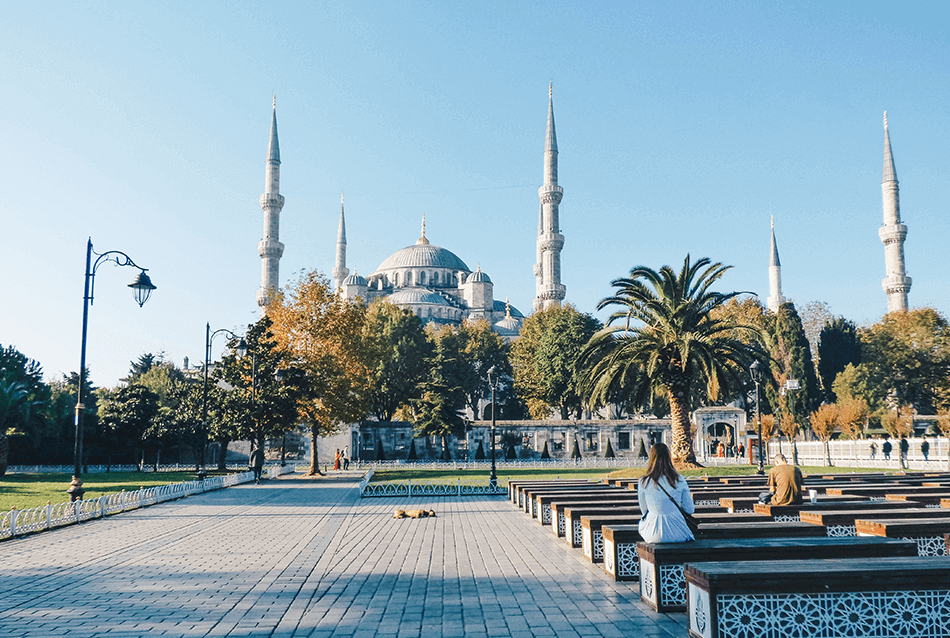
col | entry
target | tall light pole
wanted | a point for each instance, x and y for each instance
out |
(209, 338)
(141, 287)
(756, 371)
(492, 381)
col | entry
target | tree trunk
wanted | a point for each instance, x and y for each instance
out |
(681, 446)
(794, 452)
(223, 454)
(827, 453)
(314, 458)
(446, 455)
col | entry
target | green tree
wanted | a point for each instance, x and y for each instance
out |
(791, 359)
(439, 411)
(838, 347)
(545, 359)
(401, 357)
(125, 415)
(668, 341)
(22, 397)
(482, 350)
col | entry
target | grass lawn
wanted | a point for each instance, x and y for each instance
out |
(504, 475)
(24, 491)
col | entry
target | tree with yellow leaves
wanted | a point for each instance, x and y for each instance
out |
(325, 339)
(824, 423)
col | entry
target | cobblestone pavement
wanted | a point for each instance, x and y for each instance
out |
(298, 557)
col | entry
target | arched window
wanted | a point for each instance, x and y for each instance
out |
(408, 277)
(422, 278)
(435, 278)
(395, 279)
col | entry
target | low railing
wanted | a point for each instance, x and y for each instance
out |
(37, 519)
(519, 464)
(165, 467)
(408, 489)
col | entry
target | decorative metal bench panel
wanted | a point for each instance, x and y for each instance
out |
(663, 587)
(903, 597)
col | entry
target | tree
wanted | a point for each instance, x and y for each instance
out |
(669, 341)
(906, 356)
(943, 423)
(791, 359)
(401, 360)
(13, 402)
(22, 395)
(545, 359)
(815, 315)
(439, 412)
(838, 347)
(324, 337)
(576, 450)
(125, 414)
(824, 423)
(609, 452)
(853, 419)
(482, 350)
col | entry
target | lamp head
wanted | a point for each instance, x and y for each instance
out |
(756, 370)
(279, 375)
(241, 348)
(142, 288)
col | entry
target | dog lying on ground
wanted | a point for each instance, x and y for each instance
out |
(413, 513)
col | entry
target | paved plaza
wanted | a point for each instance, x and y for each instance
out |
(308, 557)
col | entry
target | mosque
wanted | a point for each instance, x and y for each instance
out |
(431, 281)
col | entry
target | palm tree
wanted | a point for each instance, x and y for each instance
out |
(679, 348)
(14, 401)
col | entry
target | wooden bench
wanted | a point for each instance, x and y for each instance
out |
(904, 597)
(617, 498)
(592, 534)
(542, 501)
(515, 488)
(530, 494)
(928, 533)
(663, 585)
(572, 514)
(927, 499)
(841, 522)
(620, 541)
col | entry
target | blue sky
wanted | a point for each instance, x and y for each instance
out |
(681, 127)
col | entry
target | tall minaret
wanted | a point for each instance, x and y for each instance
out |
(340, 271)
(776, 298)
(896, 284)
(550, 291)
(269, 248)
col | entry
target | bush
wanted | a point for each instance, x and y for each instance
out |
(576, 452)
(642, 454)
(544, 451)
(412, 452)
(510, 454)
(480, 452)
(609, 452)
(380, 455)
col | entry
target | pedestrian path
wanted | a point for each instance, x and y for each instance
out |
(307, 557)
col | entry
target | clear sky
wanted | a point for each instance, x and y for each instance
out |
(682, 127)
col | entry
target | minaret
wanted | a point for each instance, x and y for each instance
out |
(269, 248)
(340, 271)
(775, 276)
(896, 284)
(549, 290)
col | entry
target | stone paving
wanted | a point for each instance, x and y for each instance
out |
(302, 557)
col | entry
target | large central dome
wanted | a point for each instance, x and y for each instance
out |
(423, 256)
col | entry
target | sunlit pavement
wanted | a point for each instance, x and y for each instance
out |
(301, 557)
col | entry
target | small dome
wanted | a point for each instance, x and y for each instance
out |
(507, 327)
(500, 306)
(354, 280)
(417, 296)
(478, 276)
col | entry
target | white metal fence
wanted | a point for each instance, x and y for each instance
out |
(858, 453)
(102, 469)
(593, 463)
(19, 522)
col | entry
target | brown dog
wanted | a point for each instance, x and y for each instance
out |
(413, 513)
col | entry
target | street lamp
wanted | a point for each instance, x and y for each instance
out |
(492, 381)
(141, 287)
(756, 371)
(209, 338)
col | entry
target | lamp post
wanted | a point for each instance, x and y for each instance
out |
(141, 287)
(756, 371)
(209, 338)
(492, 381)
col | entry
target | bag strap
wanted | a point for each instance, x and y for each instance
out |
(659, 485)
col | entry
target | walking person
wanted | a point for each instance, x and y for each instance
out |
(346, 458)
(925, 449)
(336, 460)
(886, 449)
(904, 448)
(873, 449)
(664, 499)
(256, 462)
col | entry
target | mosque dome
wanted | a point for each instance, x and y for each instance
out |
(507, 327)
(502, 306)
(478, 276)
(423, 256)
(417, 296)
(354, 280)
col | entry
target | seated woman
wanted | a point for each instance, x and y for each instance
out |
(660, 519)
